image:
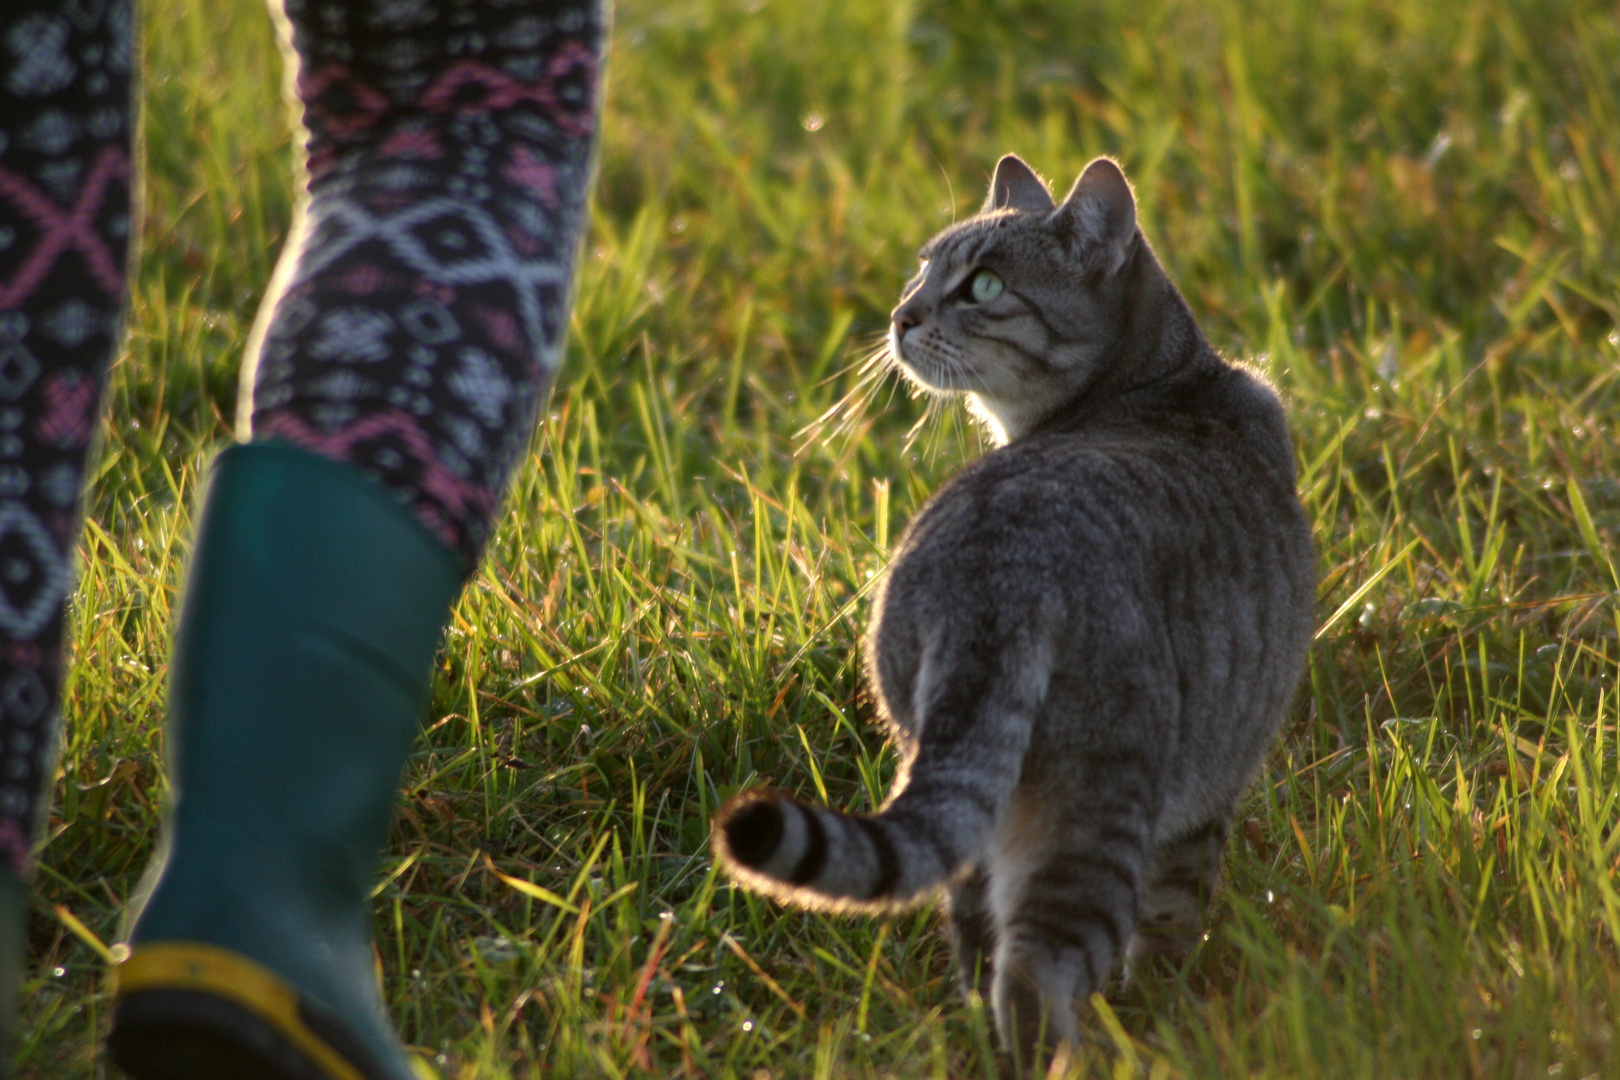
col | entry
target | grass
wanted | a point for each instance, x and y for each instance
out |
(1409, 214)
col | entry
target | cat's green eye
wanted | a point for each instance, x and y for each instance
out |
(984, 287)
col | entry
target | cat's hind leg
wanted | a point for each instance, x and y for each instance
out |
(973, 932)
(1066, 901)
(1185, 871)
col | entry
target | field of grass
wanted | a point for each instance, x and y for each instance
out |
(1407, 213)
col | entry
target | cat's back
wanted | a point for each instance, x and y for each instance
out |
(1138, 485)
(1162, 537)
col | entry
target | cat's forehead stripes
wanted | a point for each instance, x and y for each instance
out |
(966, 240)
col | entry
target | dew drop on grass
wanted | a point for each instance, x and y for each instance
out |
(748, 1025)
(59, 971)
(813, 121)
(718, 987)
(496, 950)
(1475, 1034)
(1271, 897)
(1389, 363)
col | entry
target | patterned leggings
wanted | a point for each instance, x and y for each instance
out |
(424, 299)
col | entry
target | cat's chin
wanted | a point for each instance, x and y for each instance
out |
(922, 370)
(1004, 420)
(930, 382)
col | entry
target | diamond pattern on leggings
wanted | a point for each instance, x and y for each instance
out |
(39, 56)
(449, 145)
(64, 224)
(450, 243)
(33, 572)
(67, 230)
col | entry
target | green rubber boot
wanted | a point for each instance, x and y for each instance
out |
(301, 668)
(13, 944)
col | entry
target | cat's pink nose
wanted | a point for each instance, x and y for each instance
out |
(905, 317)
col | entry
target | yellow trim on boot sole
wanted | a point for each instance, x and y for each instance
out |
(209, 969)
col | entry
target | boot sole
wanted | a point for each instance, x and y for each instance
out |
(190, 1011)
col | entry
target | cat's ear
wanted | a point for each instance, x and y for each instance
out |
(1016, 187)
(1100, 213)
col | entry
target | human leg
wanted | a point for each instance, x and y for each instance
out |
(64, 226)
(401, 367)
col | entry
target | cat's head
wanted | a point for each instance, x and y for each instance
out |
(1017, 306)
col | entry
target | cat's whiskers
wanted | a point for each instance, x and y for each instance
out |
(912, 433)
(850, 416)
(944, 363)
(959, 378)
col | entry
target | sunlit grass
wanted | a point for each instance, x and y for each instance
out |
(1408, 214)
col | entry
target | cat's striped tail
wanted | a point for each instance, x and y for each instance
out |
(942, 815)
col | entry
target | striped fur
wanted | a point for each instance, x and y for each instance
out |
(1086, 639)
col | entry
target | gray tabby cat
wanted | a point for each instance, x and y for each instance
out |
(1087, 638)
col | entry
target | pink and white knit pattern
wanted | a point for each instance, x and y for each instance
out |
(449, 148)
(64, 228)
